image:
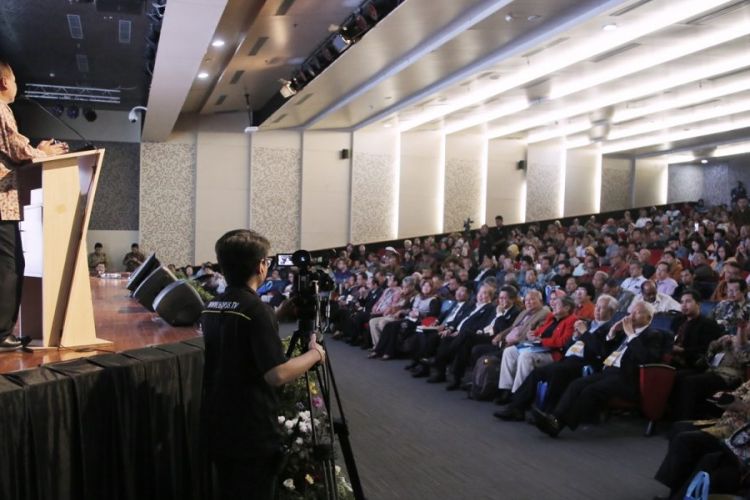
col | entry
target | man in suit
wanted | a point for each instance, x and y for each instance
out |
(505, 314)
(587, 347)
(14, 151)
(693, 334)
(427, 340)
(637, 344)
(549, 339)
(533, 315)
(451, 339)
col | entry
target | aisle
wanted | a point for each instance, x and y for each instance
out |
(416, 440)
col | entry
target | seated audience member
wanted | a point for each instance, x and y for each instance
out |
(384, 304)
(727, 357)
(98, 256)
(545, 273)
(505, 313)
(133, 258)
(564, 270)
(397, 311)
(624, 297)
(423, 305)
(735, 309)
(584, 398)
(720, 447)
(644, 257)
(518, 361)
(686, 281)
(731, 271)
(450, 341)
(530, 283)
(533, 315)
(636, 279)
(619, 269)
(571, 285)
(599, 279)
(583, 298)
(427, 339)
(486, 270)
(587, 347)
(693, 334)
(664, 282)
(360, 311)
(675, 266)
(660, 302)
(701, 270)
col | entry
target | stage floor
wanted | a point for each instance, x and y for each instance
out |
(119, 319)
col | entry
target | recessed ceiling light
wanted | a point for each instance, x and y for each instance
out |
(51, 75)
(533, 17)
(218, 43)
(704, 161)
(387, 125)
(202, 75)
(609, 27)
(509, 17)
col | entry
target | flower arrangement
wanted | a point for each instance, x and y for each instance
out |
(303, 474)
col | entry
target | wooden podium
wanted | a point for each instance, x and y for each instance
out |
(56, 307)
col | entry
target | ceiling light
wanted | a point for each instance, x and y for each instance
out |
(202, 75)
(51, 75)
(609, 27)
(533, 17)
(509, 17)
(729, 124)
(704, 161)
(645, 88)
(566, 55)
(217, 43)
(732, 150)
(387, 125)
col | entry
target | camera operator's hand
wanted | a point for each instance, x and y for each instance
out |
(313, 345)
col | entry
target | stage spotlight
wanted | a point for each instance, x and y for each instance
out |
(57, 110)
(89, 114)
(73, 112)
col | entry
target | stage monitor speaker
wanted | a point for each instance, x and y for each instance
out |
(179, 304)
(521, 165)
(152, 285)
(140, 273)
(344, 154)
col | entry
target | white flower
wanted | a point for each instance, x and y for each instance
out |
(305, 415)
(289, 424)
(309, 479)
(281, 419)
(289, 484)
(299, 441)
(338, 470)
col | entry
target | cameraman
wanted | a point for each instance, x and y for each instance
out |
(244, 365)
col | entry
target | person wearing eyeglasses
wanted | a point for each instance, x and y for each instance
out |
(244, 364)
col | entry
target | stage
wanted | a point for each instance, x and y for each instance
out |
(119, 319)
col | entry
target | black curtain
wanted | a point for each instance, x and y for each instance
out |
(116, 426)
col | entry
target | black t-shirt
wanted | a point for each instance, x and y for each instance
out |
(240, 410)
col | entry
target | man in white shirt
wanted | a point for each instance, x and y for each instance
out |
(664, 282)
(659, 301)
(633, 284)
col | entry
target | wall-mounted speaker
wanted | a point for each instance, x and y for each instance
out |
(140, 273)
(344, 154)
(179, 304)
(521, 165)
(152, 285)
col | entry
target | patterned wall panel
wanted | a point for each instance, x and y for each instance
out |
(685, 183)
(463, 193)
(616, 182)
(167, 215)
(116, 203)
(275, 202)
(373, 210)
(717, 185)
(543, 190)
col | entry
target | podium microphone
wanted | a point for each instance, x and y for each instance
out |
(87, 145)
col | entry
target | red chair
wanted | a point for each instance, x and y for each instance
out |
(655, 385)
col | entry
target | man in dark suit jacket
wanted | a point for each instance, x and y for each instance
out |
(451, 339)
(587, 347)
(637, 344)
(427, 339)
(693, 334)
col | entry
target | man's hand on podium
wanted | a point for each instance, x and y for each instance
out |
(52, 147)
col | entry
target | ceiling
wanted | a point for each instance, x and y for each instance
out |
(669, 74)
(82, 44)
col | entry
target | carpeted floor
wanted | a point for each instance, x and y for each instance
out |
(414, 440)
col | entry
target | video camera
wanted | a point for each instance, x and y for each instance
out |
(309, 282)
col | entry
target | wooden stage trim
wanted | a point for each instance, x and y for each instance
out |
(119, 318)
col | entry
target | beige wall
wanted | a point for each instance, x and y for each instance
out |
(582, 181)
(616, 184)
(506, 184)
(116, 245)
(545, 180)
(465, 180)
(326, 178)
(222, 182)
(651, 178)
(422, 181)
